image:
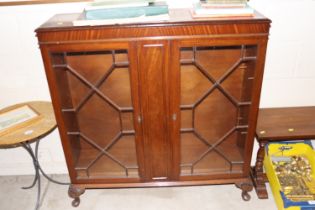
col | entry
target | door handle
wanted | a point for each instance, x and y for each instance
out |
(174, 117)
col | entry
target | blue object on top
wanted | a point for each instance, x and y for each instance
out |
(127, 12)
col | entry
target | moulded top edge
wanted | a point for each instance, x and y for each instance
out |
(177, 17)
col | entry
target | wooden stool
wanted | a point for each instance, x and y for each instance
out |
(280, 124)
(24, 133)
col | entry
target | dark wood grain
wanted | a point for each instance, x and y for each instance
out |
(173, 92)
(135, 83)
(286, 123)
(152, 70)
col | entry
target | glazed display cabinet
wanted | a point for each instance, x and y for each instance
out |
(167, 103)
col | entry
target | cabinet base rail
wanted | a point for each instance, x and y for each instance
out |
(245, 184)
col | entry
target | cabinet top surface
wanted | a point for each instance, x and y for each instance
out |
(290, 123)
(177, 17)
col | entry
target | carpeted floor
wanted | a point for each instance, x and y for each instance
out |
(219, 197)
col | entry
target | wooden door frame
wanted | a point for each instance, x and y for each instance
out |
(46, 50)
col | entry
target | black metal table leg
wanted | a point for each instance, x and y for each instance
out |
(37, 179)
(29, 149)
(42, 171)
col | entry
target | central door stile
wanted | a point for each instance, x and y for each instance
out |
(153, 68)
(174, 109)
(135, 90)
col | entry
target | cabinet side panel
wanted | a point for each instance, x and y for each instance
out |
(153, 71)
(260, 63)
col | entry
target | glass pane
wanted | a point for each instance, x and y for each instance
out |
(215, 116)
(211, 163)
(192, 147)
(90, 65)
(186, 119)
(121, 56)
(127, 121)
(239, 83)
(95, 93)
(216, 85)
(117, 87)
(106, 167)
(216, 61)
(87, 154)
(193, 84)
(78, 90)
(124, 151)
(98, 121)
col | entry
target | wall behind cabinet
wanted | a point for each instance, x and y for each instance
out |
(289, 73)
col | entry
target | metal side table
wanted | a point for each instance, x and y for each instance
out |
(26, 132)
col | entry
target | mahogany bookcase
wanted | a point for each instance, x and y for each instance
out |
(166, 103)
